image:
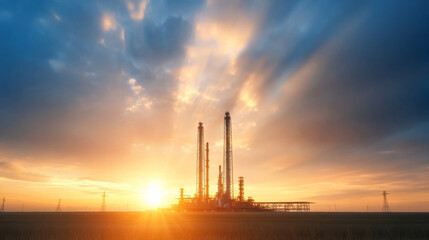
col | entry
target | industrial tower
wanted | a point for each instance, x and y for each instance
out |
(227, 161)
(220, 187)
(200, 163)
(207, 174)
(224, 200)
(386, 207)
(240, 197)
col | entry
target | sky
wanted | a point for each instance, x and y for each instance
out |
(329, 101)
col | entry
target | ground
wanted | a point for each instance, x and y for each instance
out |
(165, 225)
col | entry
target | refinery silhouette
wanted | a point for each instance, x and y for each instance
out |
(224, 199)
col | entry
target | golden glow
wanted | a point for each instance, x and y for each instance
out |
(230, 39)
(108, 22)
(248, 93)
(135, 104)
(137, 13)
(153, 195)
(122, 35)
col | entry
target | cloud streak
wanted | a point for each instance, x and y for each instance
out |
(323, 96)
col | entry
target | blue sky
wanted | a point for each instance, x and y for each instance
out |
(329, 100)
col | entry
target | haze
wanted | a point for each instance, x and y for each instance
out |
(329, 101)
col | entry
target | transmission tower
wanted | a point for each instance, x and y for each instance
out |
(103, 203)
(2, 205)
(386, 207)
(59, 206)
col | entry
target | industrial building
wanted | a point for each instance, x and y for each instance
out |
(224, 199)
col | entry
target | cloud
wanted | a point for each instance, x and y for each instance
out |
(15, 171)
(108, 22)
(356, 94)
(317, 92)
(159, 43)
(56, 87)
(137, 10)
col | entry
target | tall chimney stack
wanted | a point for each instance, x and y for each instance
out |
(200, 162)
(228, 162)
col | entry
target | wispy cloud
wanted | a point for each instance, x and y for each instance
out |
(328, 101)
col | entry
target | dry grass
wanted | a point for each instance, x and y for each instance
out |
(161, 225)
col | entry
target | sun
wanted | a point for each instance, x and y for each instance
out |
(153, 195)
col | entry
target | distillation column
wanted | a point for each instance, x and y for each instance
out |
(241, 189)
(219, 187)
(207, 173)
(200, 163)
(227, 162)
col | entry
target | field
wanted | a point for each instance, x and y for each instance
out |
(163, 225)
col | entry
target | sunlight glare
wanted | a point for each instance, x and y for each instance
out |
(153, 195)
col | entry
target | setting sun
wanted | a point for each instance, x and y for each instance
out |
(153, 195)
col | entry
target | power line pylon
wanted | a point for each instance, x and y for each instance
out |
(103, 203)
(59, 206)
(386, 207)
(2, 205)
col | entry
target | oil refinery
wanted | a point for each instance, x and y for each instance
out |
(224, 199)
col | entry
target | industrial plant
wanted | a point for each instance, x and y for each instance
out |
(224, 199)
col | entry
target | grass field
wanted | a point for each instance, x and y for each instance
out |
(162, 225)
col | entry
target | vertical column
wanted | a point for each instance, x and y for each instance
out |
(181, 196)
(200, 162)
(207, 173)
(219, 188)
(241, 189)
(227, 168)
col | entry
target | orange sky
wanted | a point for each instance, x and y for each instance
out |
(306, 125)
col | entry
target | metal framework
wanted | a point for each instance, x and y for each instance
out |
(224, 199)
(385, 207)
(228, 177)
(285, 206)
(220, 187)
(240, 197)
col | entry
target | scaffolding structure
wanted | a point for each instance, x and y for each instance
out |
(240, 197)
(285, 206)
(228, 162)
